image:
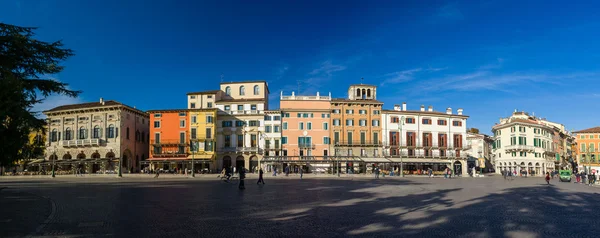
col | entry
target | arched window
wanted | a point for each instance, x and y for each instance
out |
(358, 92)
(256, 90)
(111, 131)
(364, 94)
(228, 91)
(96, 133)
(242, 91)
(54, 135)
(369, 92)
(68, 134)
(82, 133)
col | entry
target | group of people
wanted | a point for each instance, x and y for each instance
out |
(582, 176)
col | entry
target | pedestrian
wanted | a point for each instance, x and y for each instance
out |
(234, 168)
(548, 178)
(430, 172)
(157, 174)
(260, 177)
(504, 174)
(591, 180)
(242, 176)
(577, 178)
(301, 173)
(274, 171)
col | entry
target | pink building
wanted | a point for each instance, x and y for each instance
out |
(305, 130)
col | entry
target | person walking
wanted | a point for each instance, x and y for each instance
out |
(260, 177)
(578, 177)
(157, 174)
(242, 174)
(591, 179)
(430, 172)
(548, 178)
(301, 173)
(274, 171)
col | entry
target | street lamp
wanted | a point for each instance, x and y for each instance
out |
(121, 163)
(54, 162)
(400, 145)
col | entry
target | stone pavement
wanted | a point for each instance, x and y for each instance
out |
(315, 207)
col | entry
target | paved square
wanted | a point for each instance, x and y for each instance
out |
(289, 207)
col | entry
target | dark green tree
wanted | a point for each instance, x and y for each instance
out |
(25, 66)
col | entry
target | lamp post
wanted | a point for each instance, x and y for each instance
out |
(400, 145)
(54, 162)
(120, 175)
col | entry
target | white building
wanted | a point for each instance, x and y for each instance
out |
(479, 151)
(92, 136)
(425, 138)
(240, 121)
(523, 143)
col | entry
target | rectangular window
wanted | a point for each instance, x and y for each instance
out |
(299, 115)
(192, 105)
(362, 122)
(305, 115)
(283, 140)
(277, 118)
(349, 122)
(362, 112)
(227, 108)
(156, 115)
(336, 137)
(209, 119)
(239, 123)
(182, 137)
(253, 123)
(285, 126)
(301, 126)
(253, 107)
(309, 125)
(157, 138)
(583, 148)
(363, 138)
(208, 133)
(410, 120)
(268, 129)
(427, 121)
(336, 122)
(375, 138)
(512, 129)
(240, 141)
(457, 123)
(182, 123)
(395, 120)
(287, 115)
(375, 123)
(156, 124)
(267, 118)
(322, 115)
(326, 140)
(349, 138)
(194, 119)
(275, 128)
(349, 111)
(376, 112)
(325, 126)
(253, 140)
(193, 133)
(209, 105)
(227, 140)
(208, 146)
(226, 123)
(336, 111)
(182, 114)
(193, 97)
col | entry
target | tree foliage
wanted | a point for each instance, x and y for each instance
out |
(25, 64)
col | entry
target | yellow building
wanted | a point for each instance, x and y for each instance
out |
(588, 153)
(203, 127)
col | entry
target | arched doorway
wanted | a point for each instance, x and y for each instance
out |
(530, 168)
(239, 163)
(81, 156)
(457, 167)
(67, 156)
(253, 164)
(538, 169)
(127, 161)
(96, 155)
(226, 162)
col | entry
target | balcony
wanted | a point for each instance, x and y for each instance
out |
(167, 142)
(358, 143)
(240, 150)
(273, 148)
(524, 148)
(82, 143)
(240, 112)
(413, 146)
(306, 146)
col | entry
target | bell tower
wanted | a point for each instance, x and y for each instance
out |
(362, 92)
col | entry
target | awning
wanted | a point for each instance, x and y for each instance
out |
(202, 157)
(37, 161)
(419, 160)
(374, 160)
(168, 159)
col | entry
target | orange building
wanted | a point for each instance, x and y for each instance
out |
(169, 139)
(588, 155)
(305, 130)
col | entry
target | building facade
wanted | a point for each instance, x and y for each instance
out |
(93, 136)
(423, 139)
(479, 150)
(273, 149)
(588, 154)
(305, 134)
(356, 131)
(169, 137)
(203, 134)
(523, 143)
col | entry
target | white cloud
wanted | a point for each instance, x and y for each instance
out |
(327, 68)
(406, 75)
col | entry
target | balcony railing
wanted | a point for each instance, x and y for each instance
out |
(81, 143)
(358, 143)
(527, 148)
(416, 145)
(241, 150)
(430, 155)
(306, 146)
(273, 147)
(240, 112)
(168, 142)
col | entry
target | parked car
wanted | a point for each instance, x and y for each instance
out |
(565, 175)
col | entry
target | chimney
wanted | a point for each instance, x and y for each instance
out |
(397, 108)
(430, 109)
(404, 106)
(102, 101)
(449, 111)
(459, 111)
(422, 108)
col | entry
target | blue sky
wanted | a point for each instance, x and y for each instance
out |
(489, 58)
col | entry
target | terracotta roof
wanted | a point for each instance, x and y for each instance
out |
(85, 105)
(250, 81)
(590, 130)
(205, 92)
(355, 101)
(166, 110)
